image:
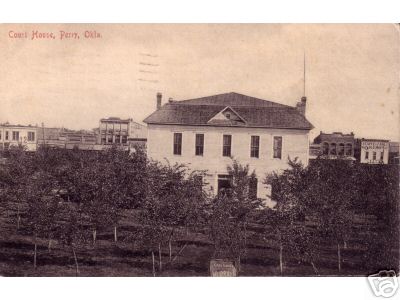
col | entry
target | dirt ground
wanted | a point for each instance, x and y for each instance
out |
(107, 258)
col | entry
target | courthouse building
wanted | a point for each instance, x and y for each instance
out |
(205, 133)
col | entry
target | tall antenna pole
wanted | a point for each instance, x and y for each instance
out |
(304, 74)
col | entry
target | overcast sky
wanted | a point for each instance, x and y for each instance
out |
(352, 72)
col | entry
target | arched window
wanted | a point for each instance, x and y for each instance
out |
(341, 149)
(332, 150)
(325, 148)
(349, 150)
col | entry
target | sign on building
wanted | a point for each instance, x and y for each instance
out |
(222, 268)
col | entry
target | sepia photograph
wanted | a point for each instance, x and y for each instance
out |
(200, 150)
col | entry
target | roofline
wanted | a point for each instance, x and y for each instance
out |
(19, 126)
(240, 126)
(270, 101)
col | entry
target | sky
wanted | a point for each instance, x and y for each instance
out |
(352, 71)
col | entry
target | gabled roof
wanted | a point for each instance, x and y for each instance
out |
(255, 112)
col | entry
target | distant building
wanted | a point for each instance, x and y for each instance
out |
(394, 155)
(333, 145)
(373, 151)
(204, 134)
(15, 135)
(118, 131)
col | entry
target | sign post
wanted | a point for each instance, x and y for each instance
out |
(222, 268)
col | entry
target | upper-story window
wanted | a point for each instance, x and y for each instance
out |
(15, 135)
(325, 148)
(178, 143)
(199, 146)
(366, 154)
(255, 146)
(382, 155)
(348, 149)
(278, 147)
(31, 136)
(226, 145)
(341, 149)
(6, 137)
(374, 155)
(332, 150)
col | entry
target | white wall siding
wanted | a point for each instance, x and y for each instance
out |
(294, 144)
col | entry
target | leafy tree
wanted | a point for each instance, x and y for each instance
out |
(230, 213)
(290, 190)
(330, 194)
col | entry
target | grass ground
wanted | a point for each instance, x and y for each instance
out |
(107, 258)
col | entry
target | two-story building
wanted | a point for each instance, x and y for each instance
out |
(123, 132)
(333, 146)
(18, 135)
(206, 133)
(373, 151)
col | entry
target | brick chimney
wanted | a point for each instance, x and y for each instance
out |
(301, 106)
(159, 96)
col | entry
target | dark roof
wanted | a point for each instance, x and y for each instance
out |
(256, 112)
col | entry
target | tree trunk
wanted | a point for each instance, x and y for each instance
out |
(170, 250)
(76, 262)
(315, 268)
(94, 236)
(49, 245)
(115, 234)
(154, 267)
(238, 266)
(18, 217)
(345, 245)
(34, 255)
(170, 245)
(339, 257)
(281, 258)
(180, 251)
(159, 257)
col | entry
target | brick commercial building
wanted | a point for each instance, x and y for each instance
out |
(204, 133)
(333, 145)
(118, 131)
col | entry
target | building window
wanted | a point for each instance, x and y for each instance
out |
(110, 139)
(178, 143)
(224, 184)
(348, 149)
(15, 135)
(325, 148)
(255, 146)
(6, 136)
(382, 156)
(253, 188)
(341, 149)
(332, 150)
(199, 144)
(374, 155)
(0, 135)
(366, 155)
(278, 147)
(226, 146)
(124, 139)
(31, 136)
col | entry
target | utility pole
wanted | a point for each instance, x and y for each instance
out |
(304, 74)
(44, 138)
